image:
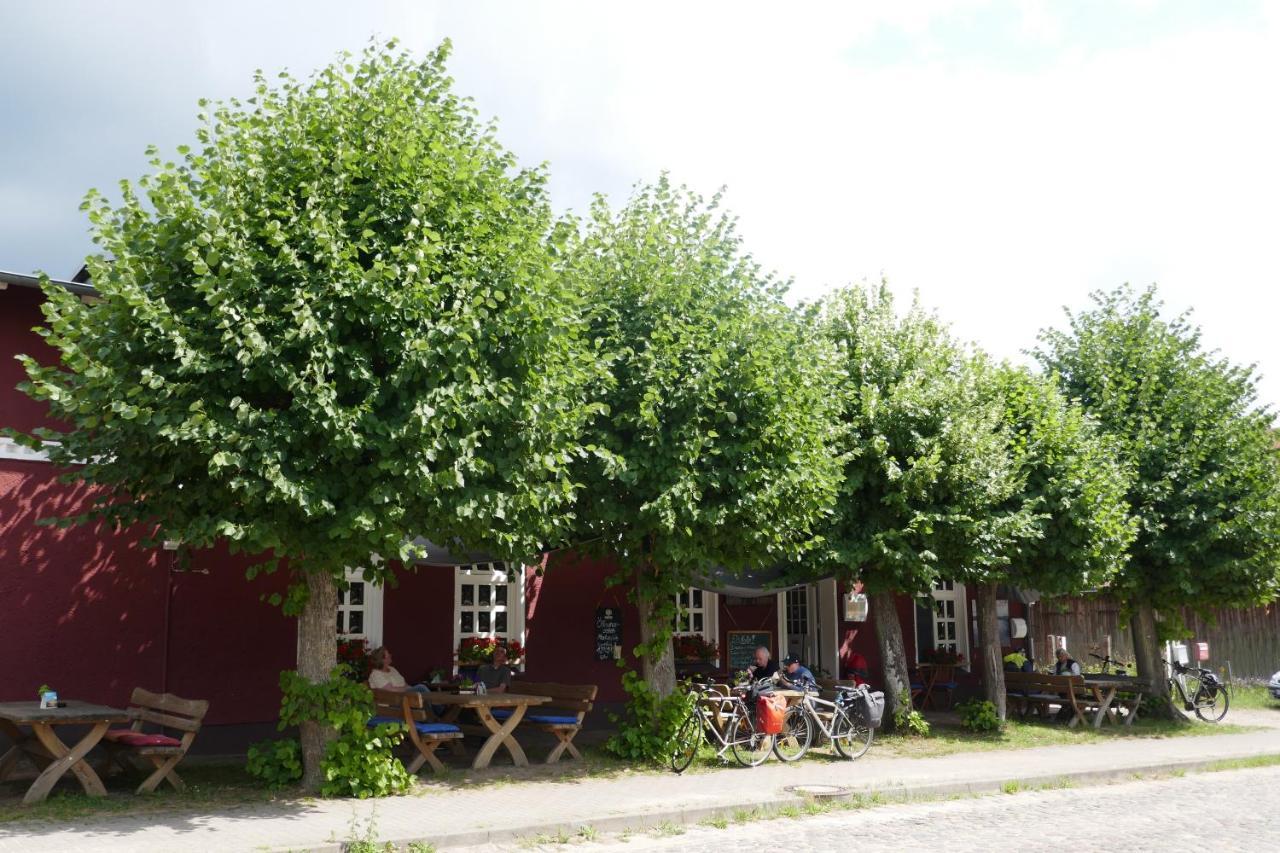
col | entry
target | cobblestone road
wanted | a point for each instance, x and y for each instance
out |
(1234, 810)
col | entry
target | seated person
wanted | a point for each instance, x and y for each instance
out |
(764, 667)
(1065, 665)
(797, 675)
(384, 676)
(496, 677)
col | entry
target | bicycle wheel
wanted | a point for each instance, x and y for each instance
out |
(850, 734)
(750, 747)
(688, 739)
(796, 736)
(1211, 703)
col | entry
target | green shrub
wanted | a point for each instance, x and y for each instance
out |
(911, 722)
(646, 732)
(979, 715)
(275, 763)
(361, 763)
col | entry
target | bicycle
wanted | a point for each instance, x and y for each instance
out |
(848, 732)
(726, 720)
(1122, 668)
(1201, 691)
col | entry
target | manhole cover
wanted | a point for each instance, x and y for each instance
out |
(818, 792)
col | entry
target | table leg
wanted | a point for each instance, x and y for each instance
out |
(1103, 705)
(501, 737)
(66, 759)
(1133, 710)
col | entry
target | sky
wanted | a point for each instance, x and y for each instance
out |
(1000, 159)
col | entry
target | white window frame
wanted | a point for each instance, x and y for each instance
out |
(371, 609)
(956, 593)
(491, 575)
(709, 611)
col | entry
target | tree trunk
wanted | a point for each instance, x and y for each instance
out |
(317, 656)
(659, 672)
(992, 663)
(1146, 652)
(893, 657)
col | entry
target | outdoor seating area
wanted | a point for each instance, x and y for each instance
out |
(34, 733)
(1112, 698)
(446, 715)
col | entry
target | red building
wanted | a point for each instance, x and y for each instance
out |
(94, 614)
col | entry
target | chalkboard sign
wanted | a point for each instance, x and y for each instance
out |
(608, 631)
(742, 648)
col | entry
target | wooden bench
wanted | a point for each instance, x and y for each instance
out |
(164, 752)
(409, 710)
(562, 716)
(1035, 689)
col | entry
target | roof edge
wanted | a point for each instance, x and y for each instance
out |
(33, 281)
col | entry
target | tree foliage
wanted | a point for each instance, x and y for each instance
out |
(1200, 453)
(333, 324)
(1069, 482)
(927, 486)
(717, 408)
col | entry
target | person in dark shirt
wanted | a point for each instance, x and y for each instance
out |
(496, 676)
(798, 675)
(764, 665)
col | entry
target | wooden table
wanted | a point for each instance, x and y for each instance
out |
(930, 674)
(498, 731)
(48, 751)
(1105, 689)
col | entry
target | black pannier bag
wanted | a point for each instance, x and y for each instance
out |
(869, 705)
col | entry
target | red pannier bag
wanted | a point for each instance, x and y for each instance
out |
(769, 713)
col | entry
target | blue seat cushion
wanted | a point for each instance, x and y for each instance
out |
(501, 713)
(553, 719)
(916, 685)
(423, 728)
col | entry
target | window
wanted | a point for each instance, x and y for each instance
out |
(488, 602)
(696, 615)
(691, 613)
(360, 610)
(798, 612)
(942, 626)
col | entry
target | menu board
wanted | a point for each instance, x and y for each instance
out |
(608, 631)
(742, 648)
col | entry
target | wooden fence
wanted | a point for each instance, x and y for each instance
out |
(1248, 638)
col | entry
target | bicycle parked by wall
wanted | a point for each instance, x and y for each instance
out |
(844, 722)
(1200, 690)
(726, 721)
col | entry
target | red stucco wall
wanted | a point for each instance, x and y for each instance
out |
(417, 620)
(560, 624)
(19, 314)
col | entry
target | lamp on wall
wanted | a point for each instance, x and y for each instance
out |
(856, 607)
(1017, 628)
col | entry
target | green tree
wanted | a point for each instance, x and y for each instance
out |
(334, 324)
(716, 405)
(926, 478)
(1071, 485)
(1200, 452)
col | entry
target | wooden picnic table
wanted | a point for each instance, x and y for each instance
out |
(497, 730)
(933, 675)
(50, 753)
(1107, 692)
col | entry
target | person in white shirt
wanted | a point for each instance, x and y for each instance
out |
(384, 676)
(1066, 665)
